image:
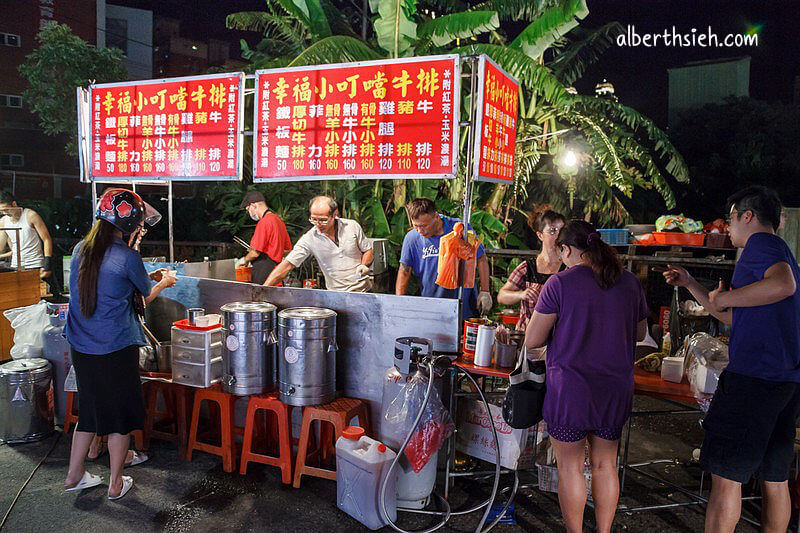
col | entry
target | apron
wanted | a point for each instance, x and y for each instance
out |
(262, 267)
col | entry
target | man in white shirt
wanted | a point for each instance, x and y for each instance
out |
(339, 245)
(24, 232)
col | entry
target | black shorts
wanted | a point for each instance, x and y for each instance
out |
(109, 391)
(750, 429)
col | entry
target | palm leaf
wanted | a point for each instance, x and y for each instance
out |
(641, 126)
(311, 13)
(553, 23)
(443, 30)
(526, 70)
(335, 49)
(396, 33)
(604, 152)
(571, 62)
(273, 26)
(516, 9)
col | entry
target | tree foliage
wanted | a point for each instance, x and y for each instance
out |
(63, 62)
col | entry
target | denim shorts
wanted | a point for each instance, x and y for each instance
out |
(750, 429)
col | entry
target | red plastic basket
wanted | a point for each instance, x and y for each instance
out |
(184, 324)
(674, 238)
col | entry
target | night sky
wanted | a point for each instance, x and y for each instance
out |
(638, 74)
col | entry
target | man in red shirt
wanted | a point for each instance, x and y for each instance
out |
(269, 241)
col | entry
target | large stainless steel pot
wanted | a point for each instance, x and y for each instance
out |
(249, 349)
(307, 355)
(26, 400)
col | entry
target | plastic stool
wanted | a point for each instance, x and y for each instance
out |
(71, 417)
(152, 415)
(227, 448)
(339, 413)
(283, 428)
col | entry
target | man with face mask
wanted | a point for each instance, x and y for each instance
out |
(269, 241)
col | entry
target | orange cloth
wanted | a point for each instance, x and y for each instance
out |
(453, 248)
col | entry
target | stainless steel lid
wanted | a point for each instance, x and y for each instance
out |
(248, 310)
(24, 365)
(308, 317)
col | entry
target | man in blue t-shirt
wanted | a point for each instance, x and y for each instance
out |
(750, 425)
(420, 256)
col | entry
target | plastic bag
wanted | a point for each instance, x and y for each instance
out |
(435, 426)
(678, 223)
(706, 358)
(452, 249)
(29, 323)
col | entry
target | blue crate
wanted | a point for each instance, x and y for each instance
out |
(615, 236)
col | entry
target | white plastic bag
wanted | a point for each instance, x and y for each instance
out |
(706, 358)
(29, 323)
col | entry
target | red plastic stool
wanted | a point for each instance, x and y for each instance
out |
(283, 428)
(339, 413)
(71, 417)
(153, 416)
(227, 447)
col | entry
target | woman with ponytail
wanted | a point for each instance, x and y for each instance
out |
(590, 316)
(105, 334)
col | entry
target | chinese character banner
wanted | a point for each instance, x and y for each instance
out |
(186, 128)
(374, 119)
(496, 122)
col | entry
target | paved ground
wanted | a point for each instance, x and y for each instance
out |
(172, 495)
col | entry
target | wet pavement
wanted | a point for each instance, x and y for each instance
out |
(173, 495)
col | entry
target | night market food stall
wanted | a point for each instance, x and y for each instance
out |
(280, 346)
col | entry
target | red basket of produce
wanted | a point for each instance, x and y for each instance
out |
(509, 317)
(677, 238)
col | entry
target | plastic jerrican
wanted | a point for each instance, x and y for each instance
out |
(361, 466)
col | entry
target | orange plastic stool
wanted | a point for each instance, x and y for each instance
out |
(227, 448)
(71, 417)
(339, 413)
(152, 415)
(283, 428)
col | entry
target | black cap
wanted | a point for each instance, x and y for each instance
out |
(250, 198)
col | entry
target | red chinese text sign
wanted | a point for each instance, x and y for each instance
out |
(179, 128)
(496, 123)
(376, 119)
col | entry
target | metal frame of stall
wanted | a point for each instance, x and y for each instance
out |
(469, 178)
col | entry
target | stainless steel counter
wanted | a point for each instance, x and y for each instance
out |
(366, 326)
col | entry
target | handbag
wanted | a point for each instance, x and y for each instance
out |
(522, 405)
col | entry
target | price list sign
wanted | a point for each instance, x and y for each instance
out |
(376, 119)
(496, 123)
(174, 129)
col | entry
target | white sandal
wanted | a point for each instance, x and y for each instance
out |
(127, 483)
(87, 481)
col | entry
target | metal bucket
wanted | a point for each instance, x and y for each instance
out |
(26, 400)
(307, 355)
(248, 351)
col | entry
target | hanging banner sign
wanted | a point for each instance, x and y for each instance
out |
(374, 119)
(495, 123)
(173, 129)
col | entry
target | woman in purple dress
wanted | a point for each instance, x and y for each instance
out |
(590, 317)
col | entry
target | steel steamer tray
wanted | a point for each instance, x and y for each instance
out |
(249, 348)
(307, 355)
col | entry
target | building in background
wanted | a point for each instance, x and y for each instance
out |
(131, 30)
(705, 82)
(31, 162)
(175, 56)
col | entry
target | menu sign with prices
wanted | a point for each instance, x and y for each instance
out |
(496, 123)
(375, 119)
(173, 129)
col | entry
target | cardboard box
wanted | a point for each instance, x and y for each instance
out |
(474, 436)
